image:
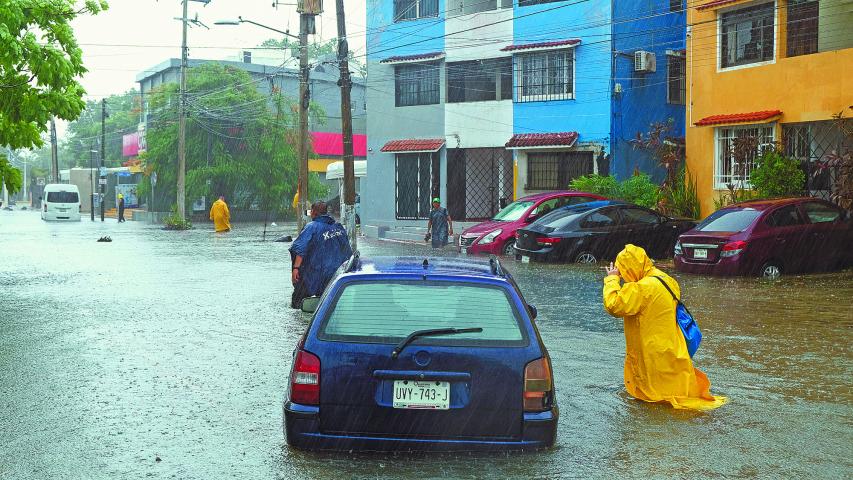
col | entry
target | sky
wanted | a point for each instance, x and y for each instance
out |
(135, 35)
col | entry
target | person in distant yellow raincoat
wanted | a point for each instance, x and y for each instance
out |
(658, 367)
(220, 215)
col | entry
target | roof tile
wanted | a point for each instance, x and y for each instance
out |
(534, 46)
(414, 145)
(414, 58)
(526, 140)
(738, 118)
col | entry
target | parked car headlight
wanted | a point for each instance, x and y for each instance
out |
(490, 237)
(678, 248)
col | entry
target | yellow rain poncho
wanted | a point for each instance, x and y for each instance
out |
(221, 216)
(657, 365)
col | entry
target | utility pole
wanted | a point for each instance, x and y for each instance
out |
(346, 127)
(182, 121)
(103, 178)
(304, 100)
(54, 155)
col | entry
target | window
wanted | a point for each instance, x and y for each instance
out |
(746, 35)
(385, 312)
(561, 219)
(784, 217)
(479, 80)
(413, 9)
(554, 170)
(527, 3)
(675, 91)
(727, 169)
(820, 212)
(513, 211)
(62, 197)
(634, 216)
(802, 27)
(545, 76)
(676, 5)
(729, 220)
(416, 84)
(417, 182)
(467, 7)
(600, 219)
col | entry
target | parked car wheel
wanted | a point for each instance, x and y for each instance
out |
(771, 269)
(509, 248)
(586, 257)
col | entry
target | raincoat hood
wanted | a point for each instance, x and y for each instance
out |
(634, 264)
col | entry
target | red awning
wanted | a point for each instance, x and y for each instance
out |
(330, 144)
(542, 45)
(421, 57)
(414, 145)
(738, 118)
(542, 140)
(715, 4)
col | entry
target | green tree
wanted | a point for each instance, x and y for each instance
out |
(775, 175)
(317, 51)
(40, 63)
(84, 134)
(10, 176)
(237, 146)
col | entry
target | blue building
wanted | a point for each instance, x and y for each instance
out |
(480, 102)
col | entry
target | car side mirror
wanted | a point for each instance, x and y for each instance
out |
(310, 304)
(533, 311)
(531, 218)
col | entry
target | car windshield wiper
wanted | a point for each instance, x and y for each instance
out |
(431, 333)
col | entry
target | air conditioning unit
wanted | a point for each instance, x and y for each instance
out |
(644, 61)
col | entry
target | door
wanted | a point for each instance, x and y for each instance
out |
(644, 228)
(784, 238)
(825, 237)
(478, 377)
(605, 236)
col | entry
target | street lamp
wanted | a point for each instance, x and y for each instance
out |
(240, 20)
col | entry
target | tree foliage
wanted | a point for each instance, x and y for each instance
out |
(9, 175)
(84, 134)
(40, 63)
(639, 189)
(237, 144)
(318, 52)
(775, 175)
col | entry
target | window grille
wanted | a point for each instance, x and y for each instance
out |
(480, 80)
(675, 92)
(545, 76)
(747, 35)
(414, 9)
(417, 84)
(802, 27)
(727, 170)
(555, 170)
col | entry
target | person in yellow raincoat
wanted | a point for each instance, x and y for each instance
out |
(220, 215)
(658, 367)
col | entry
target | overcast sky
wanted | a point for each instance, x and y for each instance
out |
(135, 35)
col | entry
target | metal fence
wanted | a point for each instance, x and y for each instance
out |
(416, 183)
(479, 182)
(811, 142)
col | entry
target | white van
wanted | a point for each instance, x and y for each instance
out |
(61, 201)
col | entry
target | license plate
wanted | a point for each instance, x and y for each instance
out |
(464, 250)
(525, 259)
(700, 253)
(423, 395)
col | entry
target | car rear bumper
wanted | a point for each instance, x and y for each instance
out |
(302, 430)
(724, 267)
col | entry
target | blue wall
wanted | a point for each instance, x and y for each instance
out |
(589, 113)
(387, 39)
(643, 25)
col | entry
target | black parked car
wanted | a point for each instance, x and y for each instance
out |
(589, 232)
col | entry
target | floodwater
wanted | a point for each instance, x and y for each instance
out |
(166, 355)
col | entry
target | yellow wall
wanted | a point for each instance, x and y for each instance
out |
(805, 88)
(320, 165)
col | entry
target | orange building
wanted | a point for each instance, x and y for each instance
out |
(777, 70)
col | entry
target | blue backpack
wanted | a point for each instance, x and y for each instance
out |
(685, 322)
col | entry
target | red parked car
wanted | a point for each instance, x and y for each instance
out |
(497, 236)
(767, 238)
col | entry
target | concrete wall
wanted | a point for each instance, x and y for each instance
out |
(805, 88)
(650, 26)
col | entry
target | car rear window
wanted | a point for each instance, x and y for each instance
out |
(62, 197)
(559, 219)
(386, 312)
(729, 220)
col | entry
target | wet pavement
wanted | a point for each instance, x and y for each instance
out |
(166, 355)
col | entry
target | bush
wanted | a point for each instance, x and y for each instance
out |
(638, 189)
(173, 221)
(681, 198)
(775, 175)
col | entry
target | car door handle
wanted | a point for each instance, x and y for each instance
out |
(781, 239)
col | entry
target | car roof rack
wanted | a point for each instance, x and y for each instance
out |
(495, 265)
(354, 262)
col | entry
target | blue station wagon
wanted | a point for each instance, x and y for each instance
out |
(421, 354)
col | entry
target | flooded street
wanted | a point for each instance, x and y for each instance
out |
(166, 355)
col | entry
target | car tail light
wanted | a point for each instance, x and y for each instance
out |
(305, 379)
(538, 386)
(733, 248)
(547, 240)
(45, 207)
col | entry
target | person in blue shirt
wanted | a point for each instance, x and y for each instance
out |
(439, 226)
(316, 254)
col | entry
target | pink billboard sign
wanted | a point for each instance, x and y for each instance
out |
(130, 145)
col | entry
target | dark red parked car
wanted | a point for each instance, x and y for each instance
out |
(767, 238)
(497, 236)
